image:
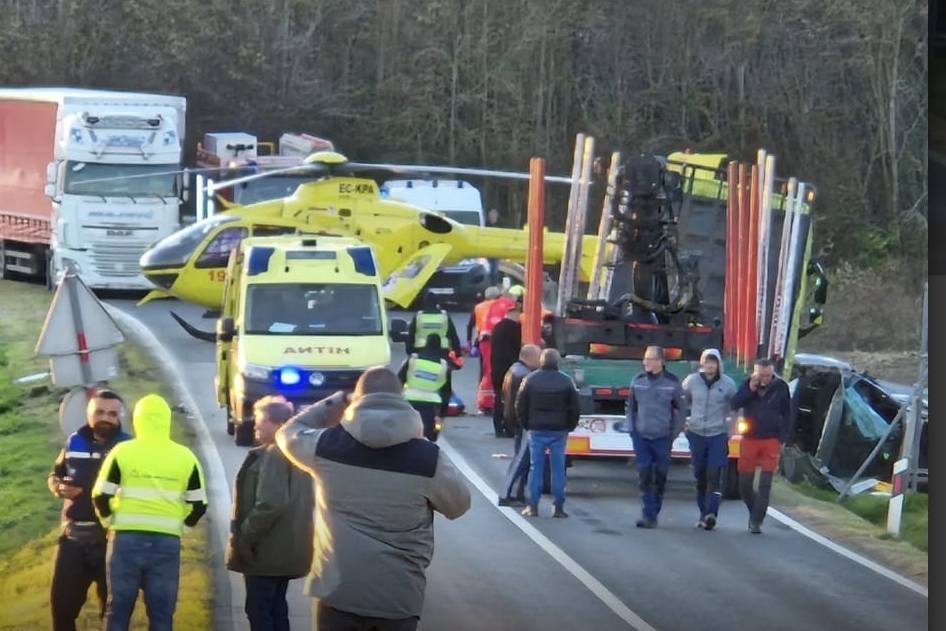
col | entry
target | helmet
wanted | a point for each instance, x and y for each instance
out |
(517, 290)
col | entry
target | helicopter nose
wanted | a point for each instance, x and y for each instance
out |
(162, 255)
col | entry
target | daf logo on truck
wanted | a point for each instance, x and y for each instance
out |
(302, 317)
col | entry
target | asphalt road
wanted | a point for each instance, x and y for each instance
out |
(495, 570)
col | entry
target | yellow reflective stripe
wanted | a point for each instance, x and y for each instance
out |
(412, 394)
(135, 519)
(196, 495)
(145, 493)
(109, 488)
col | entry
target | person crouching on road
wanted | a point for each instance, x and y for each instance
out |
(766, 409)
(518, 472)
(656, 411)
(427, 385)
(378, 484)
(148, 490)
(80, 553)
(547, 407)
(271, 528)
(708, 394)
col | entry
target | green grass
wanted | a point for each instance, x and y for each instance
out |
(915, 519)
(30, 438)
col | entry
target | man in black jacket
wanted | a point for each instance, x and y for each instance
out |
(507, 340)
(514, 487)
(767, 406)
(547, 407)
(80, 555)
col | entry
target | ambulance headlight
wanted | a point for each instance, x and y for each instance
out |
(289, 376)
(255, 371)
(316, 379)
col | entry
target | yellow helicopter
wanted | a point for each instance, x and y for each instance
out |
(409, 243)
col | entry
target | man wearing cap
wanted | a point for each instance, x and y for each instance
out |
(708, 394)
(80, 553)
(148, 490)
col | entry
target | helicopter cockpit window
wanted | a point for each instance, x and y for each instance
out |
(268, 188)
(313, 309)
(435, 223)
(175, 250)
(217, 251)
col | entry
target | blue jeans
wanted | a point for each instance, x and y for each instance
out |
(652, 456)
(709, 456)
(149, 562)
(514, 486)
(266, 607)
(539, 440)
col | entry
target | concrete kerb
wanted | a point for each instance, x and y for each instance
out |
(227, 587)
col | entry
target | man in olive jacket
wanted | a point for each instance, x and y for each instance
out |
(271, 522)
(379, 482)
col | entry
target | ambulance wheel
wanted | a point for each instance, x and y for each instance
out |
(245, 436)
(731, 480)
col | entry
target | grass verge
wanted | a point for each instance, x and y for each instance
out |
(30, 438)
(860, 524)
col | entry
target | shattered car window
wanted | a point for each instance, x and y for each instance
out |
(869, 423)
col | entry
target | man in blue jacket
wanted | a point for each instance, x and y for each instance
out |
(656, 412)
(766, 411)
(80, 555)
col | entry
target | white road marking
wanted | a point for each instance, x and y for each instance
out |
(848, 554)
(594, 585)
(216, 476)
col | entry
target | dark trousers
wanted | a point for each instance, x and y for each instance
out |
(428, 414)
(266, 607)
(518, 473)
(756, 502)
(331, 619)
(499, 426)
(144, 561)
(77, 565)
(652, 456)
(709, 456)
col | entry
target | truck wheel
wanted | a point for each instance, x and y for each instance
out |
(245, 436)
(50, 272)
(731, 480)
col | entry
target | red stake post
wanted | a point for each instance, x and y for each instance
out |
(742, 257)
(752, 339)
(532, 309)
(729, 292)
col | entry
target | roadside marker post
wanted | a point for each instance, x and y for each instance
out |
(895, 507)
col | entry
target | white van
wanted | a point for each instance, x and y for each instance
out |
(461, 201)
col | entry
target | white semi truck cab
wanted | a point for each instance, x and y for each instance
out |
(112, 181)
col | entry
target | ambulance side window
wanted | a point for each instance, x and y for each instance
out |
(217, 251)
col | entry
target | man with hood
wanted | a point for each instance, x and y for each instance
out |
(271, 525)
(656, 412)
(378, 482)
(708, 394)
(432, 320)
(80, 554)
(148, 490)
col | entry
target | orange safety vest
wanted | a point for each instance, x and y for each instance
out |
(480, 312)
(497, 311)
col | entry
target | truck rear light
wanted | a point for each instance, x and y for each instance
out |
(604, 392)
(624, 392)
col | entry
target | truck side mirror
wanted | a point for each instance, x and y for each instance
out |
(50, 191)
(398, 331)
(52, 171)
(225, 329)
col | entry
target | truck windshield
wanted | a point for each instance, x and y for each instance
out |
(268, 188)
(313, 309)
(120, 180)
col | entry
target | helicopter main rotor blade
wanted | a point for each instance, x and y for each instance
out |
(414, 168)
(304, 168)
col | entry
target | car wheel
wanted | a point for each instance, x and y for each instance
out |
(731, 480)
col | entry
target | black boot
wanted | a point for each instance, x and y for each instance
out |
(560, 512)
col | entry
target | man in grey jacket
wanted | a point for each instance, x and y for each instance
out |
(378, 482)
(656, 412)
(271, 522)
(708, 394)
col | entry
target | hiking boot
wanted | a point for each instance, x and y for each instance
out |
(644, 522)
(709, 522)
(755, 529)
(510, 501)
(560, 513)
(530, 511)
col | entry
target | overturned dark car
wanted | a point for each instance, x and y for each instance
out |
(840, 417)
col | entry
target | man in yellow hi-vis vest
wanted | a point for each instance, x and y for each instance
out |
(432, 320)
(148, 489)
(427, 387)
